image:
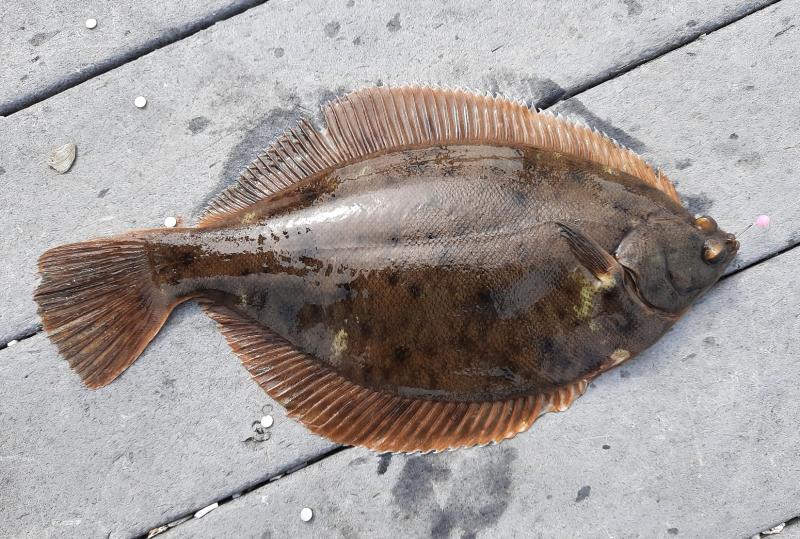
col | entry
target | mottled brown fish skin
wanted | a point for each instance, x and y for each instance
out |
(432, 269)
(438, 273)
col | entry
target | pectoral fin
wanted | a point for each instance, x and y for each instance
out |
(590, 254)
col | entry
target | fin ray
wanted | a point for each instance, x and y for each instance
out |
(332, 406)
(378, 120)
(99, 305)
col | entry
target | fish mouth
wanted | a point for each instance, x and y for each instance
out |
(732, 245)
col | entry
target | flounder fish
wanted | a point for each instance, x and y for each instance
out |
(434, 269)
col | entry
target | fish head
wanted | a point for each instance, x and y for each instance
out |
(670, 262)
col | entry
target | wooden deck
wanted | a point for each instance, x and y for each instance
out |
(697, 437)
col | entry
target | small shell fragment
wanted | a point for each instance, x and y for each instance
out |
(306, 514)
(775, 530)
(170, 222)
(12, 342)
(91, 23)
(267, 421)
(61, 158)
(140, 101)
(206, 510)
(157, 531)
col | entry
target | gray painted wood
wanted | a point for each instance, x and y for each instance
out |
(218, 97)
(719, 117)
(176, 435)
(47, 47)
(214, 100)
(697, 437)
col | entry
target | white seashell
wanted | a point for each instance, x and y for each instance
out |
(306, 514)
(61, 158)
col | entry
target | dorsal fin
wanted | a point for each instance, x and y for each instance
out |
(378, 120)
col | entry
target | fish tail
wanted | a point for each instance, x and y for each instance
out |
(99, 304)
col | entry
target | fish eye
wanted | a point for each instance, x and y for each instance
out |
(706, 224)
(712, 249)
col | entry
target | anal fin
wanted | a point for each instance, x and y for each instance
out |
(332, 406)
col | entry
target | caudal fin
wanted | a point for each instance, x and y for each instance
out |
(99, 305)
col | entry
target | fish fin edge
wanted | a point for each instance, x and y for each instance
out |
(346, 413)
(375, 120)
(590, 254)
(99, 305)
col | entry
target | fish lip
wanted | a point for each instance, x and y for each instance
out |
(733, 246)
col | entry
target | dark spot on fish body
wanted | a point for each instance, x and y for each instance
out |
(415, 290)
(583, 493)
(309, 315)
(401, 353)
(521, 198)
(258, 300)
(312, 263)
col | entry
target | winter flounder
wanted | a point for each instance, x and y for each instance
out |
(434, 269)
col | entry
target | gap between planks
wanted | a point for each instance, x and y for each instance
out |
(168, 37)
(548, 102)
(615, 72)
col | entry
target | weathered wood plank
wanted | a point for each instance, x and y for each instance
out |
(47, 46)
(695, 438)
(152, 447)
(137, 166)
(218, 97)
(718, 117)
